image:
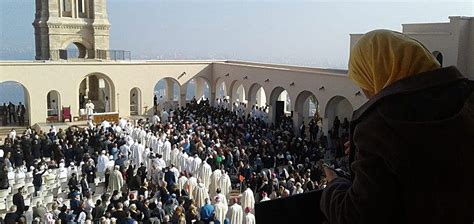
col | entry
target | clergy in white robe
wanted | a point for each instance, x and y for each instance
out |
(149, 135)
(225, 184)
(249, 217)
(247, 199)
(89, 108)
(137, 153)
(102, 162)
(235, 213)
(142, 136)
(167, 151)
(222, 196)
(189, 165)
(214, 184)
(199, 195)
(220, 210)
(174, 156)
(191, 184)
(116, 180)
(204, 174)
(184, 161)
(195, 165)
(182, 182)
(159, 146)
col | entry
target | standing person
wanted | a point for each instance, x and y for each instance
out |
(116, 180)
(89, 109)
(38, 179)
(335, 127)
(235, 213)
(11, 113)
(19, 202)
(247, 198)
(207, 212)
(220, 210)
(249, 217)
(402, 132)
(107, 104)
(21, 114)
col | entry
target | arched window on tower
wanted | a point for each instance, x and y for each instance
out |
(67, 8)
(438, 57)
(82, 8)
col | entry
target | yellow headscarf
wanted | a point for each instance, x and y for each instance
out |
(382, 57)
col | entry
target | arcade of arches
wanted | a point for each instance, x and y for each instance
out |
(110, 88)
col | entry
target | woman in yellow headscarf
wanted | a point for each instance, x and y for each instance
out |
(415, 132)
(382, 57)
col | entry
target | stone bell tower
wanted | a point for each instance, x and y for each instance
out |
(59, 23)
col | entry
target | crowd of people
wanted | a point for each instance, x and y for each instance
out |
(192, 164)
(13, 114)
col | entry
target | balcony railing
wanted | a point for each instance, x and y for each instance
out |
(113, 55)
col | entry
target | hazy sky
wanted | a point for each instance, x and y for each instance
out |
(314, 33)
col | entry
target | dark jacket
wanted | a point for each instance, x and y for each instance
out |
(413, 158)
(19, 202)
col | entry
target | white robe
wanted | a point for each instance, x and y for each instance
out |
(62, 172)
(183, 161)
(102, 162)
(223, 198)
(191, 184)
(195, 166)
(225, 185)
(220, 210)
(247, 199)
(249, 219)
(137, 153)
(182, 182)
(214, 184)
(204, 174)
(115, 181)
(189, 164)
(159, 147)
(89, 109)
(167, 152)
(142, 137)
(174, 157)
(200, 194)
(235, 214)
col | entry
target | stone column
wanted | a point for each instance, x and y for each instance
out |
(199, 88)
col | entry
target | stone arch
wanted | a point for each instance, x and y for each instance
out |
(221, 89)
(135, 101)
(306, 108)
(80, 51)
(12, 86)
(53, 103)
(274, 97)
(256, 95)
(198, 87)
(337, 106)
(100, 89)
(168, 93)
(83, 47)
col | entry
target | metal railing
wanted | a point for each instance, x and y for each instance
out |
(113, 55)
